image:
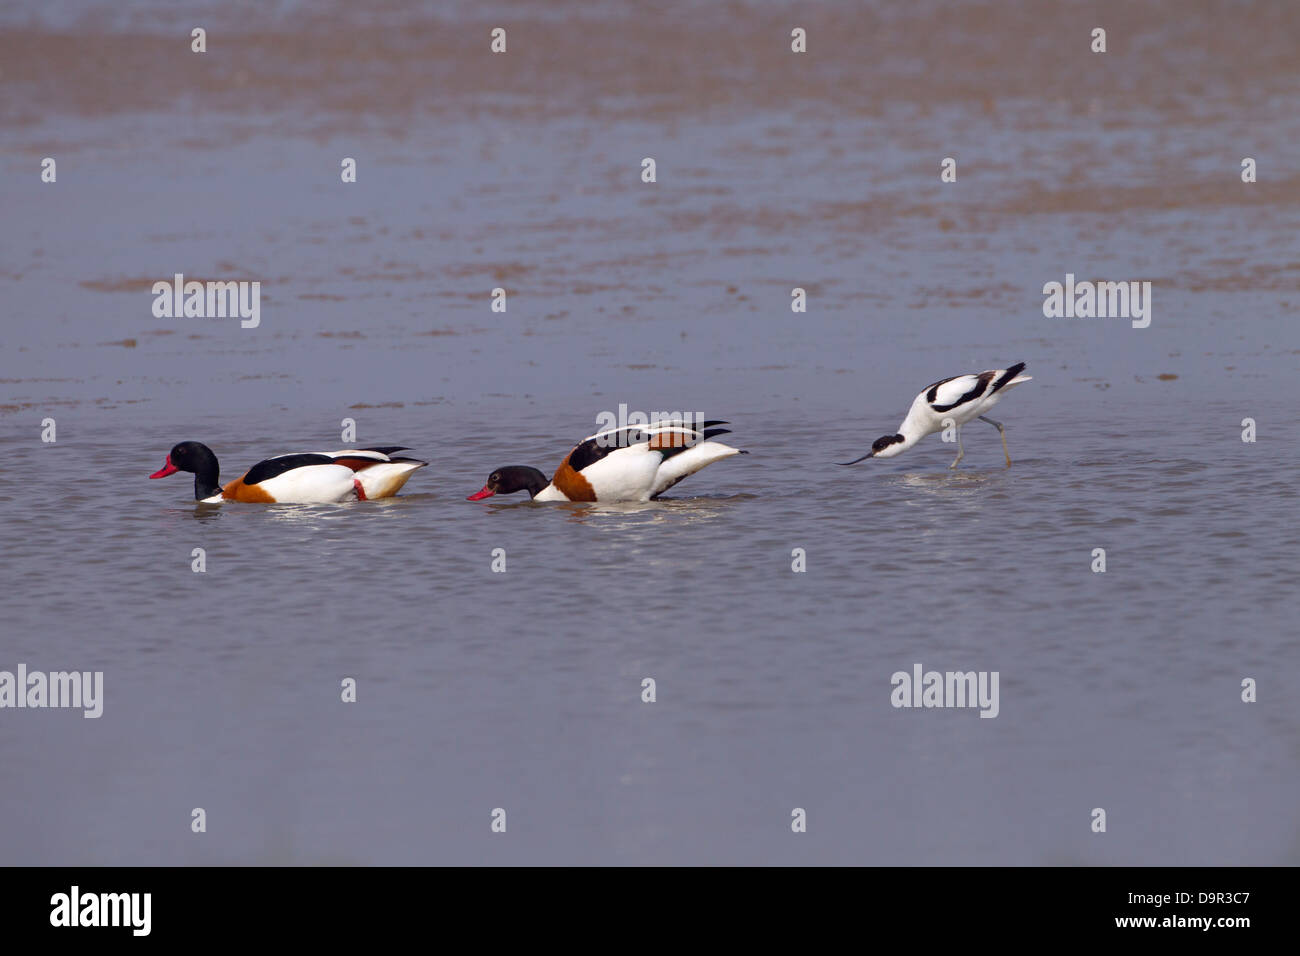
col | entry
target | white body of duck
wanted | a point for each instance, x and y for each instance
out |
(312, 478)
(631, 464)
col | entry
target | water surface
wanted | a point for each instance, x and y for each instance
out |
(522, 690)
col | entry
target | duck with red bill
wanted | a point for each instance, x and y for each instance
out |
(350, 474)
(508, 480)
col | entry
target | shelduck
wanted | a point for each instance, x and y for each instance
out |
(318, 477)
(633, 463)
(954, 401)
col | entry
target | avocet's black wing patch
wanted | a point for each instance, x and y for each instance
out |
(959, 391)
(932, 391)
(266, 470)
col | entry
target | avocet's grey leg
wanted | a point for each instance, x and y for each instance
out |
(1003, 432)
(960, 451)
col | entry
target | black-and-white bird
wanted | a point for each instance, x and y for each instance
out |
(948, 403)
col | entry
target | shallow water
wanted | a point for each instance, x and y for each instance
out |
(522, 689)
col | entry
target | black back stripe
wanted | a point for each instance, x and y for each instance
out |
(273, 467)
(594, 449)
(981, 384)
(932, 392)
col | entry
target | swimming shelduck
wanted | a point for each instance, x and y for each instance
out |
(354, 473)
(633, 463)
(953, 401)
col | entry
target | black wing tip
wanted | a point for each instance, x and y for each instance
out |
(387, 449)
(1008, 375)
(715, 432)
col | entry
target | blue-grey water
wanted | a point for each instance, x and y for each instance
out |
(522, 690)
